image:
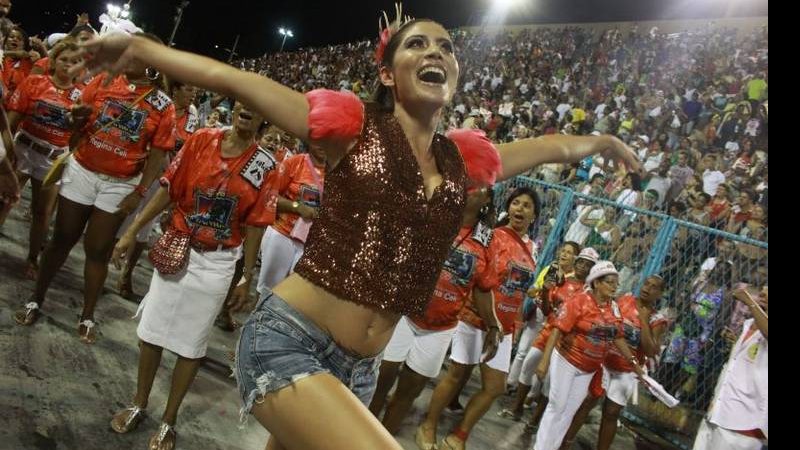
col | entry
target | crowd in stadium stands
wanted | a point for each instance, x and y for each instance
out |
(694, 106)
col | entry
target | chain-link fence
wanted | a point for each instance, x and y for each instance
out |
(701, 267)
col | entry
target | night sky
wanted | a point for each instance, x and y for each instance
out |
(207, 24)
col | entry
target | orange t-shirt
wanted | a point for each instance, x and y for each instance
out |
(185, 126)
(558, 295)
(45, 108)
(512, 259)
(282, 153)
(121, 149)
(589, 330)
(44, 64)
(295, 181)
(14, 73)
(216, 196)
(468, 265)
(632, 327)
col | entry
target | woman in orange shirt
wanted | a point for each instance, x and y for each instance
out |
(590, 323)
(38, 111)
(119, 153)
(186, 121)
(513, 259)
(299, 182)
(217, 185)
(18, 60)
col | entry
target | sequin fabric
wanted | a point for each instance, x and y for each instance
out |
(378, 241)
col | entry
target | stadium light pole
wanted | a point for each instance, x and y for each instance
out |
(178, 17)
(286, 33)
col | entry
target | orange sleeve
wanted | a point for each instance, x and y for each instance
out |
(488, 279)
(276, 184)
(43, 63)
(567, 315)
(164, 137)
(264, 211)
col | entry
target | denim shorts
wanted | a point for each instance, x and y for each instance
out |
(279, 346)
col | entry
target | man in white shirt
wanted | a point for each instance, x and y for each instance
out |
(738, 418)
(712, 177)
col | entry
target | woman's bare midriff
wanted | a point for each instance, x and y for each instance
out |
(361, 330)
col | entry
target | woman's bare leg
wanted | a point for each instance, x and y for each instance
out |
(319, 413)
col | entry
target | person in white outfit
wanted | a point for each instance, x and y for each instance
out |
(738, 417)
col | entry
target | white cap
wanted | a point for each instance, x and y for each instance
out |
(595, 133)
(645, 139)
(589, 254)
(601, 269)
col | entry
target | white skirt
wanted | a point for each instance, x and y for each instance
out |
(179, 310)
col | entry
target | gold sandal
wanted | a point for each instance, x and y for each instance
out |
(164, 439)
(127, 420)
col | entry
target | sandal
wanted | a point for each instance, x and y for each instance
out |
(419, 439)
(89, 336)
(126, 420)
(164, 439)
(28, 315)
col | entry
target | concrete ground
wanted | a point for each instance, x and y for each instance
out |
(58, 393)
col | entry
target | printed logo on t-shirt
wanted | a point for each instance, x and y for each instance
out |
(191, 123)
(159, 100)
(75, 94)
(461, 265)
(50, 115)
(129, 125)
(213, 211)
(633, 334)
(519, 279)
(601, 333)
(482, 234)
(257, 168)
(310, 195)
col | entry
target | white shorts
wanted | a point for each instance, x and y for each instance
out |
(178, 311)
(144, 233)
(468, 348)
(619, 386)
(279, 254)
(104, 192)
(423, 351)
(33, 163)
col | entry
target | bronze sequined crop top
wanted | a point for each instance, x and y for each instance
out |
(378, 241)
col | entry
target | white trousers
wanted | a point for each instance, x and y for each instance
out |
(568, 388)
(523, 348)
(279, 254)
(713, 437)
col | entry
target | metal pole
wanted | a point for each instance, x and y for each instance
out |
(233, 50)
(178, 19)
(283, 42)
